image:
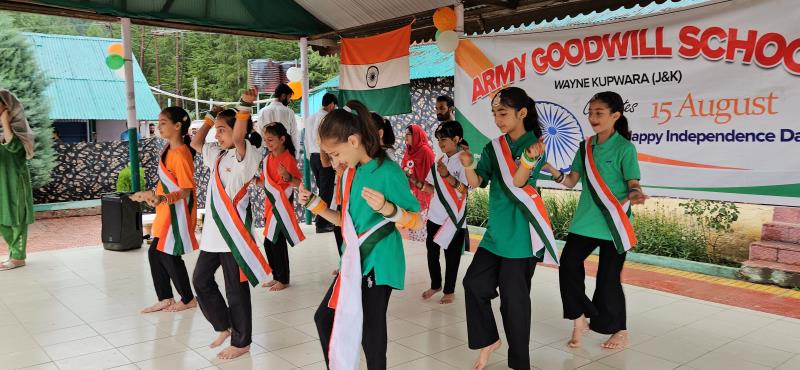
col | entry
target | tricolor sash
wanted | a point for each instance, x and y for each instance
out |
(455, 206)
(232, 217)
(178, 238)
(345, 342)
(279, 214)
(527, 200)
(617, 214)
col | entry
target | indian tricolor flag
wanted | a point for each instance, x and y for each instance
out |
(375, 71)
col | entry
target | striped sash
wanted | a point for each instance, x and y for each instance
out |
(348, 319)
(232, 217)
(455, 206)
(617, 214)
(178, 238)
(279, 214)
(528, 201)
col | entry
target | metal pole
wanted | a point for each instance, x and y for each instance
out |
(133, 142)
(196, 103)
(305, 114)
(459, 17)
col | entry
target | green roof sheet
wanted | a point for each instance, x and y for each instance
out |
(81, 86)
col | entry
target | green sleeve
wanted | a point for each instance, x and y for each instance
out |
(14, 146)
(630, 164)
(577, 162)
(484, 169)
(396, 188)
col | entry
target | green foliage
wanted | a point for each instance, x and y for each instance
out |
(478, 207)
(124, 179)
(219, 62)
(561, 210)
(714, 218)
(663, 233)
(20, 74)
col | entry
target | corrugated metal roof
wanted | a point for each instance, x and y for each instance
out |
(81, 86)
(344, 14)
(600, 17)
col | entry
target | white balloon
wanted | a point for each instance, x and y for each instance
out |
(120, 73)
(447, 41)
(294, 74)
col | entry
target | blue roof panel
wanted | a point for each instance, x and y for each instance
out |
(81, 86)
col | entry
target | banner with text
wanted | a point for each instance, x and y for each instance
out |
(712, 94)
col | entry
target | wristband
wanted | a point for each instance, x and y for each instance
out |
(631, 190)
(528, 162)
(396, 215)
(243, 115)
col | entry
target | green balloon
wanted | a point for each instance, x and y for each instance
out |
(437, 34)
(115, 61)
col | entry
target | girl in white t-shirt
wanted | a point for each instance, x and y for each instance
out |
(226, 239)
(447, 215)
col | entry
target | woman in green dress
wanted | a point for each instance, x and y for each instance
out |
(16, 204)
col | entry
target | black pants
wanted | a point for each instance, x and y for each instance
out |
(337, 234)
(607, 307)
(237, 315)
(452, 258)
(325, 177)
(374, 339)
(278, 258)
(165, 267)
(485, 275)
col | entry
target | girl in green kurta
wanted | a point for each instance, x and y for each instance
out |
(16, 204)
(607, 167)
(505, 258)
(376, 198)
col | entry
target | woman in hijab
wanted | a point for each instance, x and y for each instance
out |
(417, 162)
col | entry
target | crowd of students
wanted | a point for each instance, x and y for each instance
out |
(365, 197)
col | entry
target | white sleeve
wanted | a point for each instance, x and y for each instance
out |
(429, 178)
(210, 153)
(294, 134)
(261, 118)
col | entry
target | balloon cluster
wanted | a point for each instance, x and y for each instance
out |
(444, 19)
(295, 76)
(114, 59)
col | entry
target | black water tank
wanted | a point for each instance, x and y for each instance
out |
(122, 222)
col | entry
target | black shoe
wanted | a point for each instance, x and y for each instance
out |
(325, 229)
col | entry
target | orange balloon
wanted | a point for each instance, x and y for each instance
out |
(297, 87)
(115, 48)
(444, 19)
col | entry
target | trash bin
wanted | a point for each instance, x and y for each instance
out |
(121, 222)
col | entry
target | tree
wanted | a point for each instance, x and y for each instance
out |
(20, 74)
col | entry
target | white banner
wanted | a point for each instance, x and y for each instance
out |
(712, 94)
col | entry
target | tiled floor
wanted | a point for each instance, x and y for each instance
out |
(78, 309)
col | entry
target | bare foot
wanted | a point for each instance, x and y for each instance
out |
(335, 272)
(220, 339)
(278, 286)
(161, 305)
(579, 328)
(617, 340)
(180, 306)
(429, 293)
(232, 352)
(11, 264)
(483, 356)
(448, 298)
(269, 284)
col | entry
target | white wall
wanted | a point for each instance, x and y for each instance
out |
(110, 130)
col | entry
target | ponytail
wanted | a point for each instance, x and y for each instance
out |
(615, 104)
(179, 115)
(340, 124)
